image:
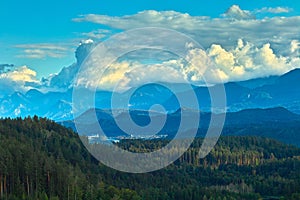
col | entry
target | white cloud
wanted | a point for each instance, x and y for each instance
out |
(198, 63)
(97, 34)
(143, 74)
(221, 56)
(18, 79)
(88, 41)
(40, 53)
(64, 79)
(295, 46)
(241, 47)
(248, 61)
(43, 50)
(123, 75)
(114, 75)
(235, 12)
(23, 74)
(278, 31)
(276, 10)
(144, 18)
(243, 62)
(42, 46)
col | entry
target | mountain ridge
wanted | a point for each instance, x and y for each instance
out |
(274, 122)
(272, 91)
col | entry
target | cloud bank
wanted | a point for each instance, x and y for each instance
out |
(234, 24)
(240, 45)
(244, 61)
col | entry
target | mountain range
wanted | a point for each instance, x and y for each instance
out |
(277, 123)
(274, 91)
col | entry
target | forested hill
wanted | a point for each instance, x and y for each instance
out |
(40, 159)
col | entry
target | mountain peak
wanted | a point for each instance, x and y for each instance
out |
(293, 74)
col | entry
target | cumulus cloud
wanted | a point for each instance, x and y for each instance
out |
(131, 70)
(64, 79)
(248, 61)
(197, 64)
(39, 51)
(295, 46)
(213, 65)
(123, 75)
(23, 74)
(18, 79)
(235, 12)
(244, 61)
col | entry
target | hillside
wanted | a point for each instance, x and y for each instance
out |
(40, 159)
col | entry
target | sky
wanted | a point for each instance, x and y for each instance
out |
(246, 39)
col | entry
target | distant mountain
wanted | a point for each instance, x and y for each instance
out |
(285, 91)
(13, 105)
(274, 91)
(54, 105)
(278, 123)
(281, 91)
(260, 116)
(267, 92)
(107, 121)
(258, 82)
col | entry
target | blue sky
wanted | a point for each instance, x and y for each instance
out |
(43, 35)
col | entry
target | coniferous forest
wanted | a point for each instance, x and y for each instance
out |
(40, 159)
